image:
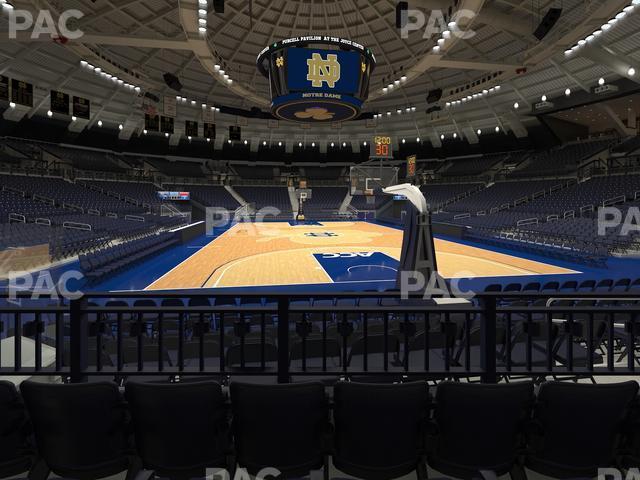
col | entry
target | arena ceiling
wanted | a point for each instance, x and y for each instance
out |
(152, 37)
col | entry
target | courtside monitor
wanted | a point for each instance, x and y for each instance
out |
(175, 196)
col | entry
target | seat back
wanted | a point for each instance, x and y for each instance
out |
(280, 426)
(315, 347)
(79, 428)
(379, 428)
(569, 286)
(374, 344)
(199, 302)
(495, 287)
(180, 428)
(150, 354)
(532, 287)
(172, 302)
(513, 287)
(252, 354)
(15, 451)
(578, 426)
(210, 349)
(479, 427)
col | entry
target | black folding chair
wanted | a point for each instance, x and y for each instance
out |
(578, 428)
(280, 426)
(380, 429)
(252, 354)
(479, 428)
(16, 454)
(180, 429)
(80, 430)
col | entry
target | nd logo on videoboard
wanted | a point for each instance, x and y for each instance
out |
(321, 71)
(320, 85)
(316, 78)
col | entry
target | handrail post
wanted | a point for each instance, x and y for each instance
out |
(488, 340)
(79, 340)
(283, 340)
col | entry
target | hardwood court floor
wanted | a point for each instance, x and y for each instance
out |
(269, 254)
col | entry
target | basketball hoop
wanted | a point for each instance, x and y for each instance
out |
(366, 179)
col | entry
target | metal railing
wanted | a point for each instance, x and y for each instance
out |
(494, 336)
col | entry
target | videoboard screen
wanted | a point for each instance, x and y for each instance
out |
(311, 70)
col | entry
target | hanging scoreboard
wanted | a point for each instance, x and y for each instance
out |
(381, 147)
(317, 78)
(59, 102)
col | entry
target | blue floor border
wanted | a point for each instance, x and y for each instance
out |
(146, 272)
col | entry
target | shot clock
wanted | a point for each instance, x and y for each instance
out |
(381, 147)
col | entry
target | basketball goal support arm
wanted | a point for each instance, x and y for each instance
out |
(412, 193)
(418, 252)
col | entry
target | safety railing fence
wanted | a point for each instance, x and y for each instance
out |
(176, 335)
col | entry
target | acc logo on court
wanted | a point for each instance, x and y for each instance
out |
(321, 70)
(348, 255)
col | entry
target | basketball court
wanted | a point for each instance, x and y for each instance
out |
(286, 253)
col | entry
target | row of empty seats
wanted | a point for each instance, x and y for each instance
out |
(564, 160)
(209, 196)
(606, 285)
(101, 263)
(268, 198)
(438, 195)
(63, 192)
(85, 159)
(324, 202)
(368, 431)
(500, 195)
(178, 168)
(471, 166)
